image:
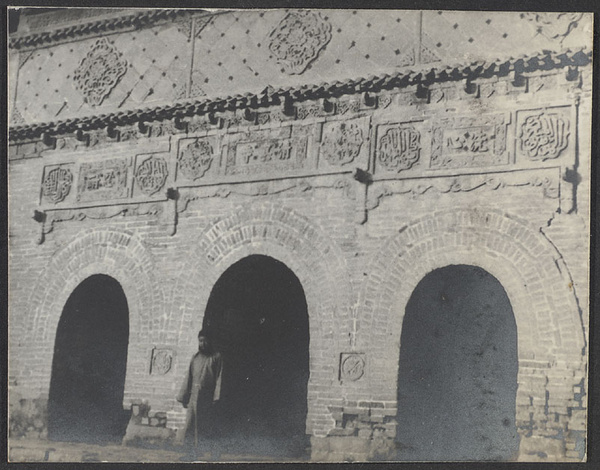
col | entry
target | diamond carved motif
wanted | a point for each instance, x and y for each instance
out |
(99, 72)
(298, 40)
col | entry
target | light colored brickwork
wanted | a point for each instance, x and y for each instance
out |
(447, 174)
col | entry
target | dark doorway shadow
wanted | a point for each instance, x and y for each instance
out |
(88, 369)
(258, 317)
(458, 368)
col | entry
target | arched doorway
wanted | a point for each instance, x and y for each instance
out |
(257, 314)
(88, 369)
(458, 368)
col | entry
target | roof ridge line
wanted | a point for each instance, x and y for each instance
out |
(114, 24)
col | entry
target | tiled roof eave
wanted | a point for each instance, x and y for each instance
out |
(271, 96)
(106, 25)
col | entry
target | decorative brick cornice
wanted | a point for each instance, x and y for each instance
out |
(107, 25)
(287, 96)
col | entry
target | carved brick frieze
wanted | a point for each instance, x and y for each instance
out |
(298, 40)
(347, 106)
(27, 150)
(398, 147)
(543, 135)
(311, 110)
(98, 213)
(548, 181)
(198, 125)
(267, 188)
(129, 133)
(469, 142)
(104, 180)
(164, 128)
(57, 183)
(195, 157)
(150, 174)
(267, 152)
(99, 72)
(343, 141)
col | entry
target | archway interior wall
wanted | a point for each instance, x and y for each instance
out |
(289, 238)
(109, 252)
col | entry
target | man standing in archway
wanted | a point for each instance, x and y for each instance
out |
(200, 390)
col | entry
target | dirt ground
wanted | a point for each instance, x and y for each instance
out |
(30, 450)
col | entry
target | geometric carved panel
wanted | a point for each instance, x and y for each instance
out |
(298, 39)
(150, 174)
(99, 72)
(543, 134)
(468, 142)
(195, 157)
(344, 142)
(103, 180)
(267, 152)
(398, 147)
(56, 183)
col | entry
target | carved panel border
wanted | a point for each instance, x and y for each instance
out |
(469, 142)
(544, 133)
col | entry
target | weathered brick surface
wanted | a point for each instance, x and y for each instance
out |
(522, 221)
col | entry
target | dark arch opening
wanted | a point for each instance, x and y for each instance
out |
(85, 402)
(257, 315)
(457, 378)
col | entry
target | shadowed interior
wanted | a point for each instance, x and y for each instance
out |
(458, 369)
(89, 364)
(257, 315)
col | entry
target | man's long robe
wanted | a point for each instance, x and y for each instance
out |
(202, 387)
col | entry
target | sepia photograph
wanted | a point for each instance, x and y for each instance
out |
(298, 235)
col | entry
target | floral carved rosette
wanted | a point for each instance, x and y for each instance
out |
(544, 136)
(57, 184)
(195, 159)
(99, 72)
(342, 143)
(298, 39)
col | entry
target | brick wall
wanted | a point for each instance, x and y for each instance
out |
(359, 250)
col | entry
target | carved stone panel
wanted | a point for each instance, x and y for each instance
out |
(99, 72)
(103, 180)
(195, 157)
(267, 152)
(469, 142)
(543, 135)
(162, 360)
(343, 141)
(352, 366)
(398, 147)
(56, 183)
(151, 174)
(298, 40)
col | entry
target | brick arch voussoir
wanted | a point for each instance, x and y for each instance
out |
(507, 239)
(275, 231)
(117, 254)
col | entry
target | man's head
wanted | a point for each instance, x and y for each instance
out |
(203, 342)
